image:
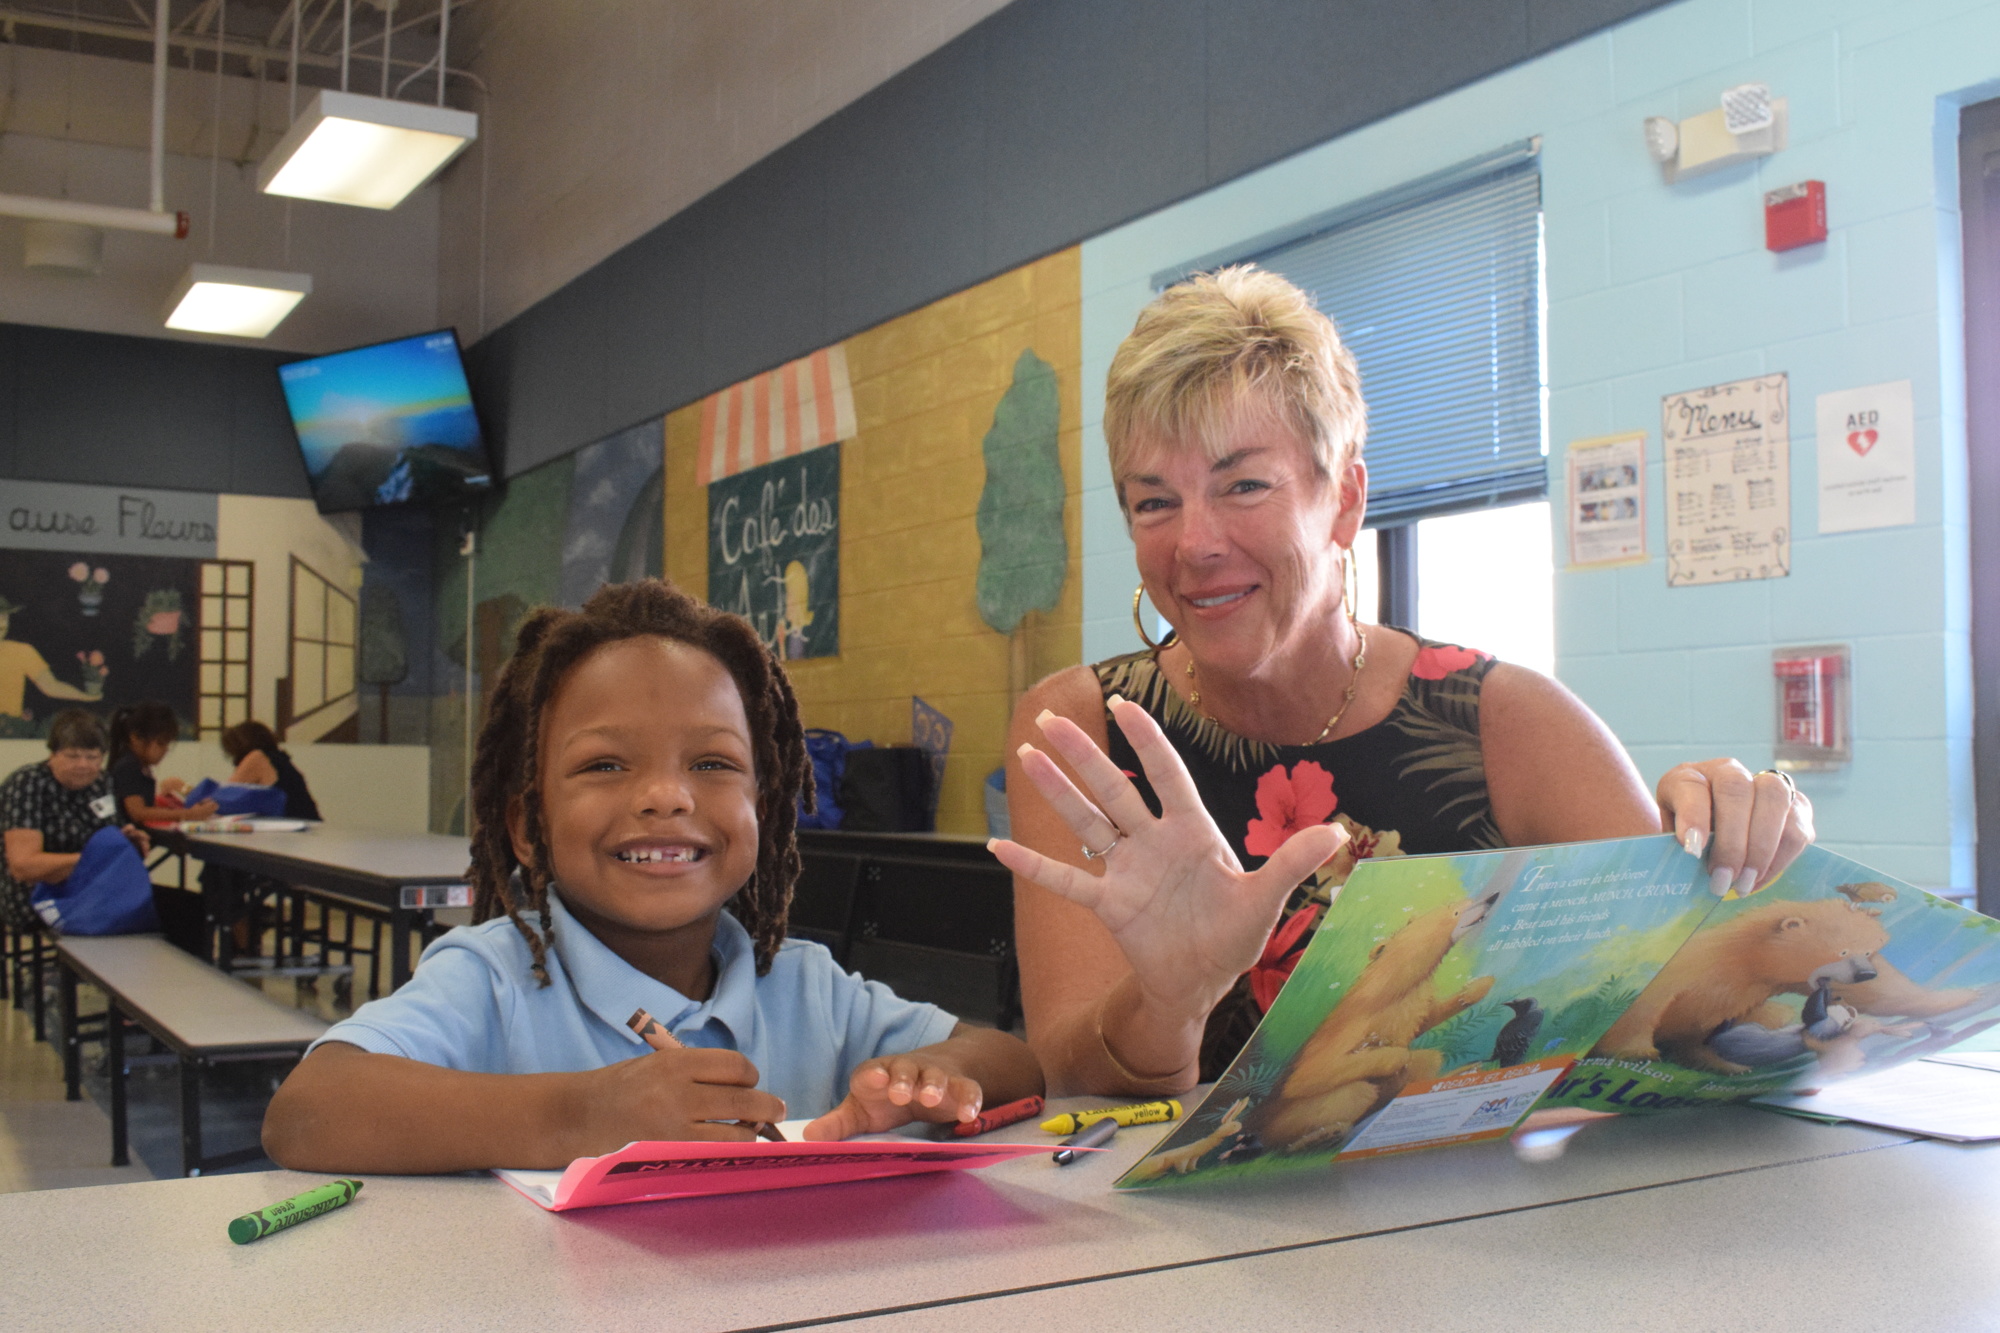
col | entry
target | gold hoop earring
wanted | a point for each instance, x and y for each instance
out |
(1353, 588)
(1140, 625)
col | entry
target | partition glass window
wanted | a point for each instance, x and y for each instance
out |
(322, 649)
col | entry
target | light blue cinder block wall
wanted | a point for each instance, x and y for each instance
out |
(1655, 288)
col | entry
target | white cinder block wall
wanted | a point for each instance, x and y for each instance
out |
(1655, 288)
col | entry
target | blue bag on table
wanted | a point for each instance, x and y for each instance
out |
(237, 798)
(109, 892)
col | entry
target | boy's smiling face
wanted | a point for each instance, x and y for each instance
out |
(649, 801)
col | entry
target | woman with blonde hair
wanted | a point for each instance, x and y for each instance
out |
(1272, 728)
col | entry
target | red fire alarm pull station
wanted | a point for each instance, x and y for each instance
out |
(1812, 707)
(1795, 216)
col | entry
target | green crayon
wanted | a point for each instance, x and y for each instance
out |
(324, 1199)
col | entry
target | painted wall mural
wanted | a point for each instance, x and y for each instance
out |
(97, 630)
(774, 551)
(957, 514)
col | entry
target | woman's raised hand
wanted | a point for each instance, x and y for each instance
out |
(1188, 917)
(1753, 825)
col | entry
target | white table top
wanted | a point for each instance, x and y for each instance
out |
(205, 1009)
(411, 858)
(465, 1252)
(1900, 1239)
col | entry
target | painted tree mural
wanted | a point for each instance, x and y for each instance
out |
(1023, 554)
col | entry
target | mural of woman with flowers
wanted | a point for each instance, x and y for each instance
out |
(21, 666)
(1272, 730)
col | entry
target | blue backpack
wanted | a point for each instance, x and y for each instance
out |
(237, 798)
(828, 752)
(109, 892)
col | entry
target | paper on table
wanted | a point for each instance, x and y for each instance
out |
(644, 1171)
(1970, 1059)
(1927, 1097)
(239, 824)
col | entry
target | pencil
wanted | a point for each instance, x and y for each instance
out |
(657, 1037)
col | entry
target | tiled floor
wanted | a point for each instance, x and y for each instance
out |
(49, 1143)
(46, 1142)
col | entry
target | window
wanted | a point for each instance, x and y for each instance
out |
(1437, 291)
(1485, 579)
(322, 648)
(227, 593)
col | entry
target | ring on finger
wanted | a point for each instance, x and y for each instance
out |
(1791, 787)
(1105, 850)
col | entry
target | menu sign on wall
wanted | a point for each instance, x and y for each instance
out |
(1728, 483)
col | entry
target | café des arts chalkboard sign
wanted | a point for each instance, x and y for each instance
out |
(774, 551)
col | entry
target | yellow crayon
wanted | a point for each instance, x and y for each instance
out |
(1145, 1113)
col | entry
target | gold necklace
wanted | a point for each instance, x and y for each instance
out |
(1346, 698)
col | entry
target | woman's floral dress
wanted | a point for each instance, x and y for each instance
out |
(1413, 783)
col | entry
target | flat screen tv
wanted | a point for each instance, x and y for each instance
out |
(388, 424)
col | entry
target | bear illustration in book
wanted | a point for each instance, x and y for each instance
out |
(1360, 1058)
(1729, 974)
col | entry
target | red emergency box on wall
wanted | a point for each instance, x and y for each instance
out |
(1795, 216)
(1812, 707)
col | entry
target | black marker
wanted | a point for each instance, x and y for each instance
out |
(1098, 1134)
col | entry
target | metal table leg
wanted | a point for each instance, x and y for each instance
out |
(41, 1022)
(401, 922)
(190, 1116)
(114, 1054)
(72, 1039)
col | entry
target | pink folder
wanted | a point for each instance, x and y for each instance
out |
(669, 1170)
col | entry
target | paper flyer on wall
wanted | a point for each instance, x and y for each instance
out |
(1444, 997)
(1832, 972)
(642, 1172)
(1867, 457)
(1607, 500)
(1438, 1000)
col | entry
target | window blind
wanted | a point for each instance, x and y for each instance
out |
(1439, 300)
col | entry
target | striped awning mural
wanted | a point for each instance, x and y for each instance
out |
(799, 406)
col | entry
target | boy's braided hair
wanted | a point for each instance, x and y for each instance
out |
(507, 764)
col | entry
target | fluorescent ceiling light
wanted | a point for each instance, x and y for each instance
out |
(368, 151)
(241, 302)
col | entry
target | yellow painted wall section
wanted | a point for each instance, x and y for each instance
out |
(925, 387)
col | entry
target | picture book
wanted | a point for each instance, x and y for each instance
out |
(1440, 997)
(640, 1172)
(1444, 997)
(1832, 971)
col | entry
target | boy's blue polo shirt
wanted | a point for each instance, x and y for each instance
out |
(473, 1004)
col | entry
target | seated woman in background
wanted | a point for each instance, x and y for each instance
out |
(49, 810)
(1273, 729)
(253, 748)
(141, 735)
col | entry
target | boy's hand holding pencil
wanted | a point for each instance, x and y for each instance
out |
(656, 1036)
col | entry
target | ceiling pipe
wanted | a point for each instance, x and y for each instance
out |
(159, 144)
(95, 215)
(156, 219)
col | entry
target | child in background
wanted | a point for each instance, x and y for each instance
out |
(639, 770)
(141, 735)
(253, 748)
